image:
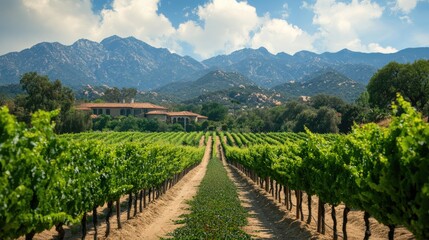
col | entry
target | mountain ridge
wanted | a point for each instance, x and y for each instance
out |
(280, 68)
(228, 87)
(115, 61)
(129, 62)
(327, 82)
(211, 82)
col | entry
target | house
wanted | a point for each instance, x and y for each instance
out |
(176, 117)
(143, 110)
(120, 109)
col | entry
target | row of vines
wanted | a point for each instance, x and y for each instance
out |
(381, 171)
(177, 138)
(48, 180)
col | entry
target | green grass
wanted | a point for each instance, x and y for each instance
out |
(216, 212)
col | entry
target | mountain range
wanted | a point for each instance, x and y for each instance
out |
(269, 70)
(115, 61)
(229, 88)
(129, 62)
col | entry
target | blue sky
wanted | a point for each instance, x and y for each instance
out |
(202, 28)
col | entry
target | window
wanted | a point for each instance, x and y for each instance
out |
(108, 111)
(122, 111)
(94, 111)
(128, 112)
(100, 111)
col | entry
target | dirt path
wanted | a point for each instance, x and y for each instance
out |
(266, 220)
(156, 220)
(172, 206)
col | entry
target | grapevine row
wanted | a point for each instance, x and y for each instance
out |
(382, 171)
(180, 138)
(46, 180)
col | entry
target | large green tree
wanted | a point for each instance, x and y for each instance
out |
(410, 80)
(214, 111)
(327, 120)
(42, 94)
(323, 100)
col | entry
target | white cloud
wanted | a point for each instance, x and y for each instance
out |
(229, 25)
(27, 22)
(375, 47)
(404, 9)
(138, 18)
(66, 21)
(406, 19)
(278, 35)
(305, 5)
(405, 6)
(225, 27)
(56, 15)
(285, 11)
(343, 25)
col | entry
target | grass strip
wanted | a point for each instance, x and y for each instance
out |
(216, 212)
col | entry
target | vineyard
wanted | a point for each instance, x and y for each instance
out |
(47, 180)
(381, 171)
(52, 180)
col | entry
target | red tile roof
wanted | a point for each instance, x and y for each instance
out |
(83, 108)
(156, 113)
(201, 116)
(121, 105)
(177, 114)
(185, 114)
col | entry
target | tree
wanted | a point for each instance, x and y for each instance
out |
(177, 127)
(112, 95)
(42, 94)
(363, 100)
(383, 85)
(323, 100)
(149, 125)
(304, 119)
(129, 123)
(76, 121)
(214, 111)
(350, 115)
(117, 95)
(100, 123)
(410, 80)
(327, 120)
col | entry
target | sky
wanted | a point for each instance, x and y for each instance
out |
(205, 28)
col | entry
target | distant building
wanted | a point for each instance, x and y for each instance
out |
(143, 110)
(120, 109)
(176, 117)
